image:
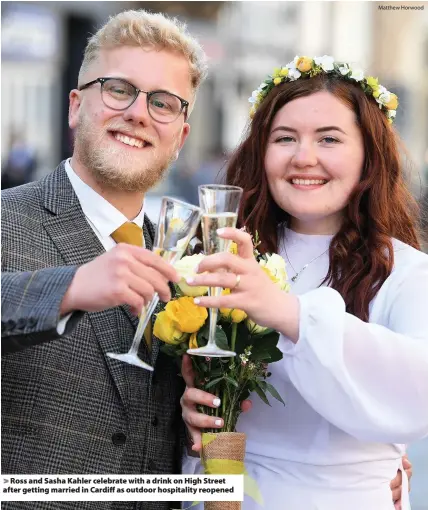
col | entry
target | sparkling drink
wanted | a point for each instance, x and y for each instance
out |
(210, 223)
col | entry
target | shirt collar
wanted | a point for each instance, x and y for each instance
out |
(104, 216)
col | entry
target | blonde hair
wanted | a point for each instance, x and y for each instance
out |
(142, 28)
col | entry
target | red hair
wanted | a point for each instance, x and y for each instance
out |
(380, 207)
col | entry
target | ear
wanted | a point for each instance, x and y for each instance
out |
(73, 108)
(184, 134)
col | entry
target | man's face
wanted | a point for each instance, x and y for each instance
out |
(128, 150)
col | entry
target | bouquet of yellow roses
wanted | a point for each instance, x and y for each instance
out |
(182, 325)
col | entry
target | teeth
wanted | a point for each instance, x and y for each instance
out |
(133, 142)
(308, 182)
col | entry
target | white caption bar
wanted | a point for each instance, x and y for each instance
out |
(122, 487)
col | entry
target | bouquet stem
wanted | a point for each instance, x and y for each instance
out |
(223, 454)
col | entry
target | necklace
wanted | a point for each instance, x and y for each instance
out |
(298, 273)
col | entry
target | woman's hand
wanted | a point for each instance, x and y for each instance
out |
(398, 480)
(252, 289)
(194, 420)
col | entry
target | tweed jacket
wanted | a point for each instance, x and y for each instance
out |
(67, 408)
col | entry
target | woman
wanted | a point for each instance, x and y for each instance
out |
(323, 186)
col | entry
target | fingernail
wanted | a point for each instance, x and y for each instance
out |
(218, 423)
(196, 301)
(216, 402)
(190, 280)
(220, 231)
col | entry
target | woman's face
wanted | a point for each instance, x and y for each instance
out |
(314, 160)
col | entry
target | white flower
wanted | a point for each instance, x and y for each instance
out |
(392, 114)
(326, 62)
(344, 70)
(357, 75)
(253, 98)
(293, 73)
(186, 268)
(385, 97)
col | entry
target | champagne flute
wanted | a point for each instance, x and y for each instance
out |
(177, 225)
(220, 204)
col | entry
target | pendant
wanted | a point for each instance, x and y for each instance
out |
(294, 278)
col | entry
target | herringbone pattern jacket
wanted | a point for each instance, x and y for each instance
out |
(67, 408)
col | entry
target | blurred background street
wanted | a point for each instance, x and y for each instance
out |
(42, 48)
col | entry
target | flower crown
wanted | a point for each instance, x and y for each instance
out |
(306, 67)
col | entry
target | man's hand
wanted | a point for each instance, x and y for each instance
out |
(397, 482)
(194, 420)
(126, 274)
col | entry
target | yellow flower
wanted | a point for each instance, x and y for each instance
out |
(276, 266)
(372, 82)
(233, 249)
(392, 104)
(188, 317)
(277, 81)
(193, 342)
(304, 64)
(166, 330)
(276, 72)
(252, 111)
(254, 328)
(231, 314)
(284, 72)
(186, 268)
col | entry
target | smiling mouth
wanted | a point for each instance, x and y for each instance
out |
(308, 182)
(130, 141)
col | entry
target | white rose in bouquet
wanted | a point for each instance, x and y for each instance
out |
(186, 269)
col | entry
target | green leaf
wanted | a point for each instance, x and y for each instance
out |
(221, 339)
(213, 382)
(273, 392)
(275, 355)
(262, 395)
(261, 355)
(232, 381)
(170, 350)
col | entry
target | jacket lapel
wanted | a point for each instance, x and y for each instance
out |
(78, 244)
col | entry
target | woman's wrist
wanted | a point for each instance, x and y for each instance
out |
(288, 316)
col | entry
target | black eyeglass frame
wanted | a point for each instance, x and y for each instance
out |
(101, 81)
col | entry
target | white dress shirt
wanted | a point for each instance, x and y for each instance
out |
(103, 218)
(355, 392)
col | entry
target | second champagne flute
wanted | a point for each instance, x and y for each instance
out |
(177, 225)
(220, 204)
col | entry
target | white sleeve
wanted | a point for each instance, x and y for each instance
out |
(370, 380)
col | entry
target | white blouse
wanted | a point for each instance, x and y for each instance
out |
(355, 392)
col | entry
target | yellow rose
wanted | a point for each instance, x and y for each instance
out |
(276, 266)
(304, 64)
(284, 72)
(233, 249)
(188, 317)
(193, 342)
(231, 314)
(277, 81)
(186, 269)
(254, 328)
(166, 330)
(392, 104)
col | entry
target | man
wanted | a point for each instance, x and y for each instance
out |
(66, 406)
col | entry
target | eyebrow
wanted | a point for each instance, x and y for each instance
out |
(319, 130)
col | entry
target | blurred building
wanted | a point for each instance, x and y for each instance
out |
(43, 42)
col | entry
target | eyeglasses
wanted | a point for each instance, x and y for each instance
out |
(119, 94)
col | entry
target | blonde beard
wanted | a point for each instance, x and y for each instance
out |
(110, 166)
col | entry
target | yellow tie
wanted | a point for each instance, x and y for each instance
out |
(133, 234)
